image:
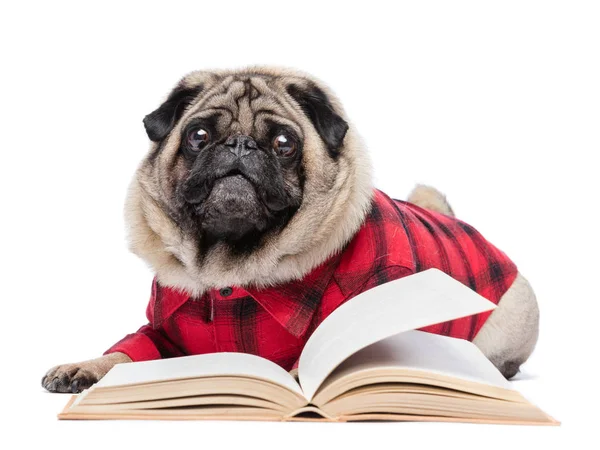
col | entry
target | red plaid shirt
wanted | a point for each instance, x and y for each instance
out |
(397, 239)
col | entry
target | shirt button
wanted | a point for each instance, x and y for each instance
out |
(226, 292)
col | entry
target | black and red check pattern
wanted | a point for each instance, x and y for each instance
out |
(397, 239)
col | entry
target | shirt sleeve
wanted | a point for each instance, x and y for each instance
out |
(145, 344)
(151, 341)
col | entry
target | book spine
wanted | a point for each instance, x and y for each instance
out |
(309, 414)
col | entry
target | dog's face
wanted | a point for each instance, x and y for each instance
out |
(250, 167)
(238, 171)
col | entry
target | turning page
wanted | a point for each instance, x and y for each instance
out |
(412, 302)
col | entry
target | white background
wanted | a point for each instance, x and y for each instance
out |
(496, 104)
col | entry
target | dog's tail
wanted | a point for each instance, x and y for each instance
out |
(430, 198)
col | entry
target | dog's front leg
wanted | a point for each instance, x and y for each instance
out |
(79, 376)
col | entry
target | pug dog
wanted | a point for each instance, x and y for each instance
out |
(257, 188)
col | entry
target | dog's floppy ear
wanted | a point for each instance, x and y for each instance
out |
(160, 122)
(314, 102)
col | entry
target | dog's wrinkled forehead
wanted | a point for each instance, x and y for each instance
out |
(244, 101)
(243, 104)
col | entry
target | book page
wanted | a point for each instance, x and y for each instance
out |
(196, 366)
(432, 353)
(415, 301)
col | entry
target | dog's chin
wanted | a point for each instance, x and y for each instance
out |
(233, 211)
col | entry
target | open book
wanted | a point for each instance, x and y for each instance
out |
(366, 361)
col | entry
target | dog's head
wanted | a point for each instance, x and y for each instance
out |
(248, 169)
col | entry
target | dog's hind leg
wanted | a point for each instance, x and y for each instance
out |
(509, 335)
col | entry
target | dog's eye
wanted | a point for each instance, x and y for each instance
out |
(284, 145)
(198, 138)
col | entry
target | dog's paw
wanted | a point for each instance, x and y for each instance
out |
(77, 377)
(69, 378)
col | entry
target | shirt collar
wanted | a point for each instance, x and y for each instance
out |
(293, 304)
(164, 301)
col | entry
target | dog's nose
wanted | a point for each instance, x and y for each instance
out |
(241, 145)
